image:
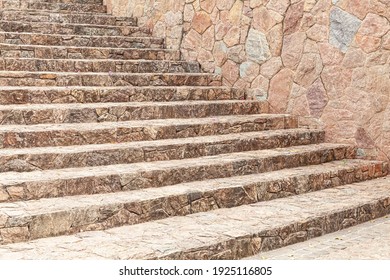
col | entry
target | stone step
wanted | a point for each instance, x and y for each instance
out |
(30, 159)
(36, 5)
(367, 241)
(65, 18)
(43, 43)
(28, 220)
(19, 78)
(98, 65)
(118, 112)
(60, 95)
(69, 52)
(228, 233)
(46, 135)
(73, 29)
(16, 186)
(96, 2)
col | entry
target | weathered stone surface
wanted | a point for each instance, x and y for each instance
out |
(374, 25)
(330, 55)
(318, 33)
(293, 18)
(107, 121)
(271, 67)
(201, 22)
(232, 37)
(249, 71)
(230, 71)
(257, 47)
(257, 188)
(279, 6)
(334, 205)
(264, 19)
(275, 39)
(225, 5)
(293, 49)
(343, 28)
(308, 69)
(354, 58)
(279, 90)
(317, 99)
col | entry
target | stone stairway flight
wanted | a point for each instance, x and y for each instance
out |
(111, 147)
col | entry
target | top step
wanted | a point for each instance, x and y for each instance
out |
(53, 6)
(63, 17)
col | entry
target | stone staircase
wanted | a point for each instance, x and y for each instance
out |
(113, 148)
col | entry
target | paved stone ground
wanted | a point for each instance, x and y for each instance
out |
(363, 242)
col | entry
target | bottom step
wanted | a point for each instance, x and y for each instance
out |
(367, 241)
(224, 233)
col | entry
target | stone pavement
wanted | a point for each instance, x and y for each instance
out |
(368, 241)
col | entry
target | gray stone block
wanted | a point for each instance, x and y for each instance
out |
(343, 28)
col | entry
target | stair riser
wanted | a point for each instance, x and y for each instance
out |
(32, 65)
(46, 161)
(46, 40)
(68, 29)
(128, 113)
(245, 246)
(108, 79)
(24, 5)
(66, 18)
(97, 95)
(87, 53)
(26, 227)
(128, 134)
(165, 177)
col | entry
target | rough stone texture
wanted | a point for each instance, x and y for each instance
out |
(248, 230)
(159, 203)
(257, 47)
(308, 36)
(109, 121)
(368, 241)
(314, 35)
(343, 28)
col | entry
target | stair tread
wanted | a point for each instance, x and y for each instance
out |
(71, 24)
(54, 11)
(169, 237)
(151, 144)
(67, 173)
(59, 204)
(19, 46)
(70, 36)
(20, 73)
(80, 106)
(63, 12)
(138, 123)
(59, 88)
(97, 60)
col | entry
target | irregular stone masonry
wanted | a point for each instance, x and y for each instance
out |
(104, 130)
